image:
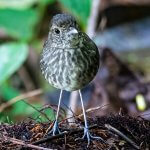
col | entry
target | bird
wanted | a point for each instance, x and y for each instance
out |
(69, 61)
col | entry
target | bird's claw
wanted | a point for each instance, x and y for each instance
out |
(55, 130)
(89, 137)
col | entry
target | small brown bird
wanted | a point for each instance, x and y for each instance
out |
(69, 61)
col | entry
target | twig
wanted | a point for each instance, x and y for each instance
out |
(44, 114)
(93, 18)
(19, 142)
(93, 109)
(26, 78)
(109, 127)
(20, 97)
(87, 111)
(54, 108)
(61, 135)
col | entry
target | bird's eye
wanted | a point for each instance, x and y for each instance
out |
(56, 31)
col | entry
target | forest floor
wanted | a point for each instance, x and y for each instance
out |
(120, 132)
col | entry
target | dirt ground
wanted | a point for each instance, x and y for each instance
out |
(120, 132)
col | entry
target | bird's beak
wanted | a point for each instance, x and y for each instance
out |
(73, 31)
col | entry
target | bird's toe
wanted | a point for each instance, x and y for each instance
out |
(87, 135)
(55, 130)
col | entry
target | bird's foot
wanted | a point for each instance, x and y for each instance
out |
(55, 130)
(89, 137)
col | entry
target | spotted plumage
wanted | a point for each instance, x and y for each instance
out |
(69, 60)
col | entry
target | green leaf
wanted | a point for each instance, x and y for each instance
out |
(12, 55)
(16, 3)
(46, 1)
(19, 24)
(8, 92)
(22, 3)
(80, 8)
(21, 108)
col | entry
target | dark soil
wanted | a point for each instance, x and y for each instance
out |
(134, 134)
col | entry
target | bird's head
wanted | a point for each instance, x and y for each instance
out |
(64, 31)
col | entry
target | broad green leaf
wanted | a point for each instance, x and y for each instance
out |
(8, 92)
(22, 108)
(80, 8)
(12, 55)
(18, 4)
(21, 4)
(46, 1)
(18, 24)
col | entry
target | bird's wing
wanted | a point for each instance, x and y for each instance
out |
(89, 45)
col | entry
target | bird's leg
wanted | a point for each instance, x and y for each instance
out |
(86, 129)
(55, 128)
